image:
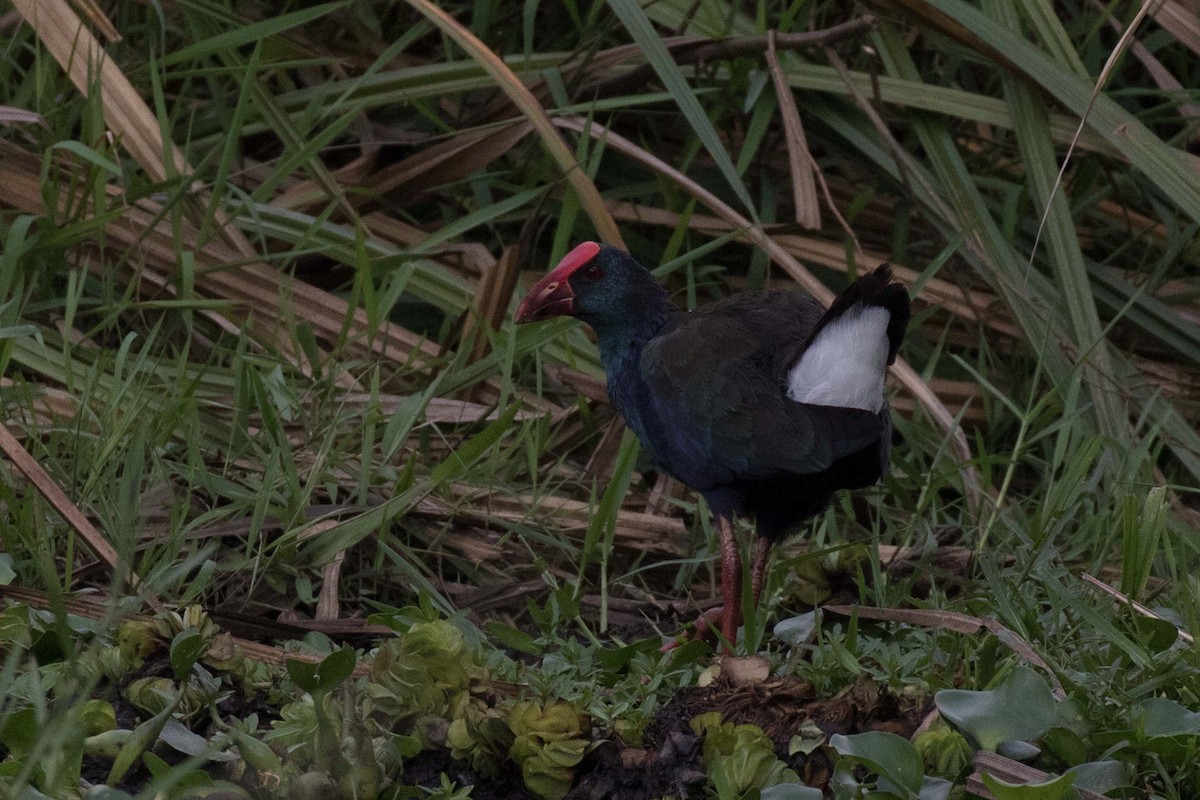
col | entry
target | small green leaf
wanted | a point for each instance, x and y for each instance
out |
(140, 741)
(1018, 750)
(513, 639)
(257, 754)
(322, 677)
(187, 646)
(19, 732)
(97, 716)
(157, 767)
(1065, 744)
(1020, 708)
(177, 736)
(48, 646)
(180, 781)
(303, 674)
(1156, 635)
(618, 659)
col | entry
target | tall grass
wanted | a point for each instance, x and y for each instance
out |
(257, 275)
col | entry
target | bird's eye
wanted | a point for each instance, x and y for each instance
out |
(594, 272)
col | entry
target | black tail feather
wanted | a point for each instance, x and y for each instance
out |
(873, 289)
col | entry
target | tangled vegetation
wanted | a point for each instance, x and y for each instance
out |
(291, 509)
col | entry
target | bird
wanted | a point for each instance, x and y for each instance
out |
(764, 402)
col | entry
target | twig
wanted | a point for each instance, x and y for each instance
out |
(1135, 605)
(702, 49)
(1105, 72)
(1011, 771)
(800, 161)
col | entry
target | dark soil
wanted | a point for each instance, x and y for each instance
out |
(670, 763)
(426, 769)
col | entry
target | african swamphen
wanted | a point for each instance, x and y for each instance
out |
(763, 402)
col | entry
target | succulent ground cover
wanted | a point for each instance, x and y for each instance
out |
(290, 508)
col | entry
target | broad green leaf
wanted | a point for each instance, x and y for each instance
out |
(19, 732)
(892, 757)
(1162, 717)
(1100, 776)
(1156, 635)
(935, 788)
(1020, 708)
(1054, 789)
(796, 630)
(97, 716)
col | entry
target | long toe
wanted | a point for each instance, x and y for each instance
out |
(704, 627)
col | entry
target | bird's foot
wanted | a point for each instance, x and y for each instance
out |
(705, 627)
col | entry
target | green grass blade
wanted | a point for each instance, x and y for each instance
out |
(642, 31)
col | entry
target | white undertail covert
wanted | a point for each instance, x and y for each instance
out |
(845, 365)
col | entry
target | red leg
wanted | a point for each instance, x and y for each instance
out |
(729, 614)
(731, 581)
(758, 569)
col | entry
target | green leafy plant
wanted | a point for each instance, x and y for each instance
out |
(257, 270)
(422, 679)
(944, 751)
(482, 738)
(740, 759)
(893, 760)
(448, 790)
(549, 741)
